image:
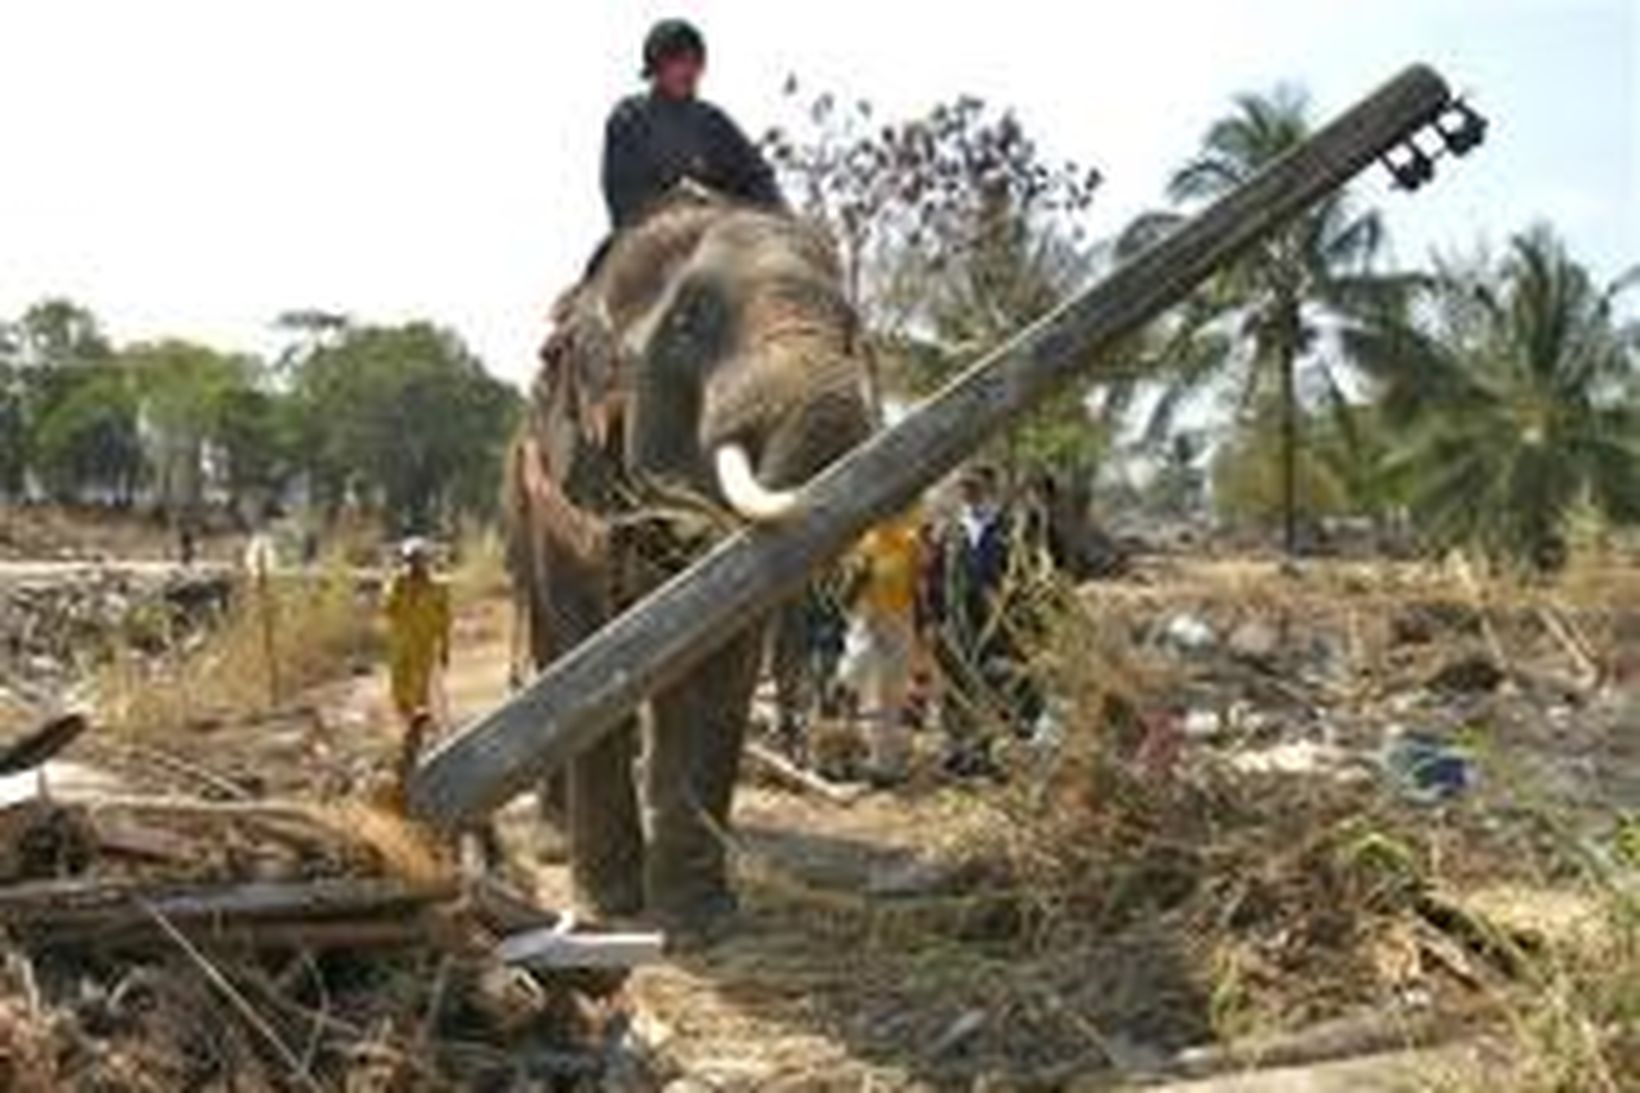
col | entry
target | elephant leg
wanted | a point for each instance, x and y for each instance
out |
(597, 792)
(793, 683)
(593, 801)
(605, 835)
(691, 761)
(553, 792)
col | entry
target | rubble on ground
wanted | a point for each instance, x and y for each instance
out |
(58, 624)
(1278, 794)
(162, 928)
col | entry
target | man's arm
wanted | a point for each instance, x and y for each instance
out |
(746, 172)
(624, 167)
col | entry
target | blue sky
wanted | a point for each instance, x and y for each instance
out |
(194, 167)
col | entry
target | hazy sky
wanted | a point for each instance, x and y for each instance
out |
(194, 167)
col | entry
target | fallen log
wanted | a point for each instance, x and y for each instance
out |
(1349, 1036)
(196, 808)
(414, 931)
(47, 907)
(588, 690)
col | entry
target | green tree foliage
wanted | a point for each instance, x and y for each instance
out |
(404, 417)
(183, 393)
(1511, 386)
(1252, 328)
(86, 446)
(14, 419)
(255, 432)
(1248, 476)
(78, 407)
(1347, 470)
(400, 419)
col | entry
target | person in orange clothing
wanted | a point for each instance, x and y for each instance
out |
(417, 606)
(885, 572)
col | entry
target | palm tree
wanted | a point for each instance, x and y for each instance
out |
(1514, 391)
(1251, 327)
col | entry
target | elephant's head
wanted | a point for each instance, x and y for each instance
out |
(744, 374)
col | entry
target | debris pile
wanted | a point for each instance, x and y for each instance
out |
(157, 939)
(60, 622)
(1275, 796)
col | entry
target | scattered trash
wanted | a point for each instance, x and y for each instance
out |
(1475, 674)
(1424, 768)
(1294, 757)
(59, 622)
(958, 1033)
(1254, 640)
(1189, 634)
(1202, 724)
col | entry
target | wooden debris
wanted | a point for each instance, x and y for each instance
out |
(40, 839)
(502, 910)
(37, 745)
(1558, 623)
(78, 906)
(124, 838)
(795, 777)
(1340, 1038)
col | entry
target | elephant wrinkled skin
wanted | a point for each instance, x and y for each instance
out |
(711, 354)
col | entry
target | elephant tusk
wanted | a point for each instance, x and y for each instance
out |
(745, 494)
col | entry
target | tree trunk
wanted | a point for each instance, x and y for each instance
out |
(1289, 450)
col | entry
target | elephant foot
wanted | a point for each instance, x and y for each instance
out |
(699, 924)
(614, 891)
(605, 903)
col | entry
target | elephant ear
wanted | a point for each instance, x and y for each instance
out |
(578, 386)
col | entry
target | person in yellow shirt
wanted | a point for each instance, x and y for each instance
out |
(886, 568)
(417, 606)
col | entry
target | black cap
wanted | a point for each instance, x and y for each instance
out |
(668, 38)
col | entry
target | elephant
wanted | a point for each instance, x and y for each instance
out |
(711, 355)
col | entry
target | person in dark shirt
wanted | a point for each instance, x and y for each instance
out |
(966, 602)
(655, 139)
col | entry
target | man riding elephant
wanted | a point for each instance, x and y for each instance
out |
(708, 365)
(655, 140)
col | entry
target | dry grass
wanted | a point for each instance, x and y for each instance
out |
(274, 641)
(480, 572)
(1132, 886)
(1571, 1019)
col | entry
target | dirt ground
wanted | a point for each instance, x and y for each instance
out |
(780, 1000)
(865, 956)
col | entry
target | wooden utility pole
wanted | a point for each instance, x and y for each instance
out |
(588, 690)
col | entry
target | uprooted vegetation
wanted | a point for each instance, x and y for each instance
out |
(1225, 849)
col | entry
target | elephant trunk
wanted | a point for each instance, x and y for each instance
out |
(787, 404)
